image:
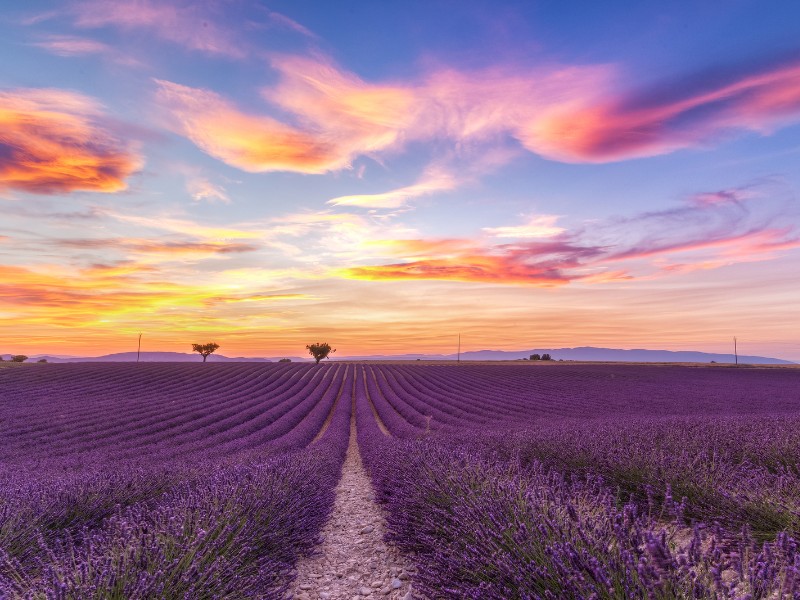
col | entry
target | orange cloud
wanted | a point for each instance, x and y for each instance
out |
(699, 234)
(94, 292)
(538, 263)
(124, 293)
(52, 142)
(250, 142)
(361, 117)
(474, 268)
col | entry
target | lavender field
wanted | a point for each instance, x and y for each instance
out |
(498, 481)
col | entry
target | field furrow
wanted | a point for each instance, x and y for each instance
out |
(472, 481)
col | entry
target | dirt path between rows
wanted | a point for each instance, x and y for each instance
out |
(353, 561)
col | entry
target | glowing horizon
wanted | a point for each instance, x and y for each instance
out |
(267, 176)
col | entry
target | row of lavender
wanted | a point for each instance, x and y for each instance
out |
(676, 482)
(159, 480)
(732, 467)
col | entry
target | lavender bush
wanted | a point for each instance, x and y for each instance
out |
(224, 514)
(663, 489)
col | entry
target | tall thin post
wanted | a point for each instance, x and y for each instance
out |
(139, 348)
(735, 351)
(459, 348)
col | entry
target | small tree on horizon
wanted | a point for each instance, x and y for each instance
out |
(19, 358)
(546, 357)
(535, 357)
(320, 350)
(205, 349)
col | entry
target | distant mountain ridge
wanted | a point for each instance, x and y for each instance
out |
(589, 353)
(584, 353)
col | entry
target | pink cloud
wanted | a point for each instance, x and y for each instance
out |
(189, 24)
(334, 116)
(734, 245)
(565, 113)
(619, 127)
(691, 237)
(446, 104)
(287, 23)
(72, 46)
(355, 116)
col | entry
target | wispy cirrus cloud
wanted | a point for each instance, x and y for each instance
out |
(676, 115)
(435, 179)
(569, 113)
(537, 226)
(446, 173)
(168, 248)
(281, 20)
(542, 264)
(249, 142)
(191, 24)
(65, 45)
(200, 188)
(566, 113)
(55, 141)
(69, 46)
(334, 117)
(695, 235)
(208, 27)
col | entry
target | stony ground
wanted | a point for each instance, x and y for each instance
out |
(353, 561)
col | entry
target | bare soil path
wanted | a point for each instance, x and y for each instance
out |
(353, 562)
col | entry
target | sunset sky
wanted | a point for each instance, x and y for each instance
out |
(386, 175)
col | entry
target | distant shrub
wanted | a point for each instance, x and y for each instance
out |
(19, 358)
(536, 357)
(320, 350)
(285, 360)
(546, 357)
(205, 349)
(42, 360)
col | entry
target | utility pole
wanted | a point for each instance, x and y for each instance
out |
(735, 351)
(139, 347)
(459, 348)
